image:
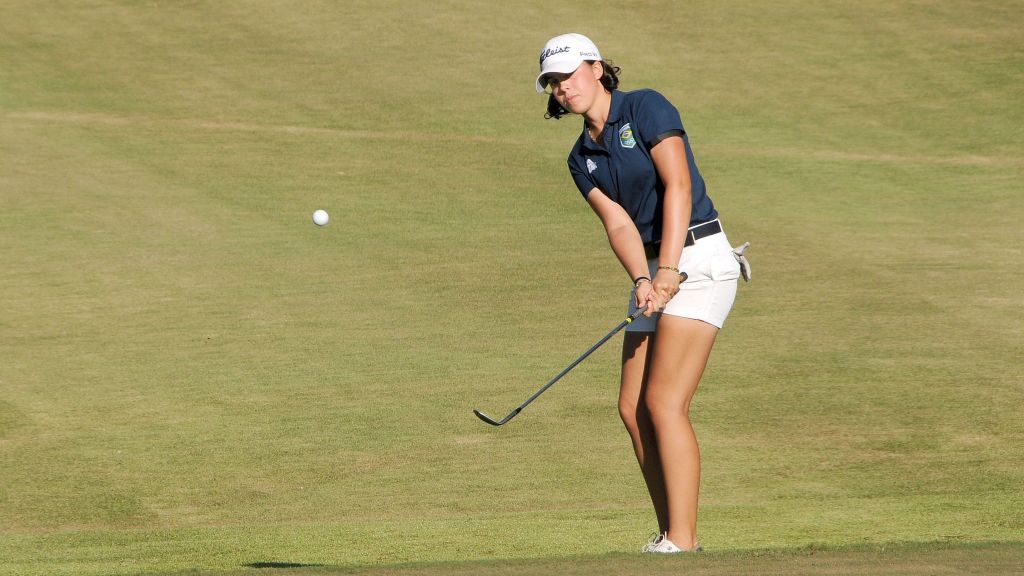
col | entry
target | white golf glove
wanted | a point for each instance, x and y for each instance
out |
(744, 264)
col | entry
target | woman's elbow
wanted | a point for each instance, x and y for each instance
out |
(681, 191)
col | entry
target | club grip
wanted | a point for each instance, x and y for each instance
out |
(635, 315)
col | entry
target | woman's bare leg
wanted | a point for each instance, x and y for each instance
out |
(677, 362)
(636, 348)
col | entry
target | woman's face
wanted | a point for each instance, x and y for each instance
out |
(576, 91)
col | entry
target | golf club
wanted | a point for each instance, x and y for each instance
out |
(512, 414)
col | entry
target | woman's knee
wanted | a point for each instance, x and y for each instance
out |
(664, 407)
(636, 418)
(628, 414)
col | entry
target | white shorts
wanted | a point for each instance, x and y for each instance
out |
(708, 292)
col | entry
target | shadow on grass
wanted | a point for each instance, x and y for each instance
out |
(282, 565)
(891, 559)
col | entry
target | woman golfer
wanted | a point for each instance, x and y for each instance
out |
(634, 166)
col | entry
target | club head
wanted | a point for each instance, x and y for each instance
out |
(487, 418)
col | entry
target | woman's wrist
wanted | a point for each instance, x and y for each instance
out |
(639, 280)
(682, 275)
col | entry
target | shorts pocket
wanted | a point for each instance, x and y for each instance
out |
(724, 267)
(697, 268)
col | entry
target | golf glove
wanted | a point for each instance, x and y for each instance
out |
(744, 264)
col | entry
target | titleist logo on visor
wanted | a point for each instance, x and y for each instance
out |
(552, 51)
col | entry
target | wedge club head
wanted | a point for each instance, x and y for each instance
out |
(492, 421)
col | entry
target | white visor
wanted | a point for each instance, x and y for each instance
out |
(564, 54)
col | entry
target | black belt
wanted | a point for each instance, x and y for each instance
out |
(692, 235)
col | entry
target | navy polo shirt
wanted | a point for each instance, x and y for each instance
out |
(621, 167)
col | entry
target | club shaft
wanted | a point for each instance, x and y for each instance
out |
(582, 357)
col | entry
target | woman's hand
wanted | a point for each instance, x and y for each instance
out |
(647, 296)
(666, 284)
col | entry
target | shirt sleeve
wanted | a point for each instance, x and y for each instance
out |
(583, 182)
(656, 119)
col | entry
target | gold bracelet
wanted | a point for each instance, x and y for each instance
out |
(682, 275)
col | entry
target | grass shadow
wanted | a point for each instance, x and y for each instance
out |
(281, 565)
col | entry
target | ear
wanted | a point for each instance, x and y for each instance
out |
(598, 68)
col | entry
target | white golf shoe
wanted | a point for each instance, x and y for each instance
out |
(659, 544)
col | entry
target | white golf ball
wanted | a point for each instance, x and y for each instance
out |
(320, 217)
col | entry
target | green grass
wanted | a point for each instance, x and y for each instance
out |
(193, 377)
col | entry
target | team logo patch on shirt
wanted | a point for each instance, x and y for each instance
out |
(591, 166)
(626, 137)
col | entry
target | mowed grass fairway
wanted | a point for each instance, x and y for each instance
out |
(196, 379)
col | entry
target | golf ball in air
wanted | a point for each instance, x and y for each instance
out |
(320, 217)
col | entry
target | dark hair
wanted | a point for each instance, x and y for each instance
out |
(610, 81)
